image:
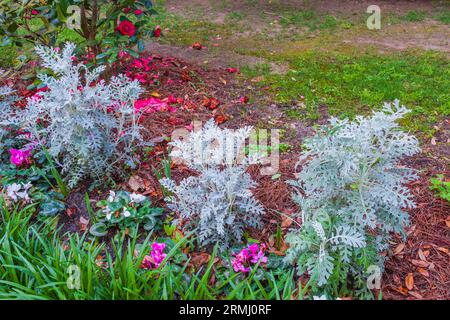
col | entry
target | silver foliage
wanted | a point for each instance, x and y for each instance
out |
(351, 192)
(218, 201)
(88, 125)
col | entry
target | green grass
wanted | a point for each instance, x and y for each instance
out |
(308, 19)
(37, 262)
(443, 16)
(355, 83)
(414, 16)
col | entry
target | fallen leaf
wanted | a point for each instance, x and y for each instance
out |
(83, 223)
(257, 79)
(420, 263)
(423, 272)
(442, 249)
(421, 255)
(402, 290)
(433, 141)
(69, 212)
(409, 281)
(399, 249)
(223, 80)
(200, 259)
(136, 183)
(219, 119)
(447, 222)
(415, 295)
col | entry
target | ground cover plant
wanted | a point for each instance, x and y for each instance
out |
(136, 141)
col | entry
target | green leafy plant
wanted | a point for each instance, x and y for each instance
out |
(441, 186)
(106, 27)
(124, 210)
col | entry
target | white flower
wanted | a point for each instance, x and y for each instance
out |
(108, 213)
(137, 198)
(18, 191)
(112, 196)
(126, 213)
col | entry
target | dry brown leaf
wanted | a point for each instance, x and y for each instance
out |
(83, 223)
(447, 222)
(136, 183)
(415, 295)
(420, 263)
(423, 272)
(286, 222)
(399, 248)
(200, 259)
(402, 290)
(442, 249)
(223, 80)
(421, 255)
(433, 141)
(409, 281)
(69, 212)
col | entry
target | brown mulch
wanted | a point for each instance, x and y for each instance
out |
(425, 254)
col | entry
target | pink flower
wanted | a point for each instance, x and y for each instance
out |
(243, 99)
(20, 157)
(34, 12)
(156, 256)
(150, 105)
(250, 255)
(123, 54)
(137, 12)
(232, 70)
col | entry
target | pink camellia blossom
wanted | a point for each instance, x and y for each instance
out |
(156, 256)
(137, 12)
(20, 157)
(250, 255)
(34, 12)
(150, 105)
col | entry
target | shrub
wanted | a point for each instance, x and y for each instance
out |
(351, 194)
(104, 26)
(125, 210)
(88, 126)
(218, 201)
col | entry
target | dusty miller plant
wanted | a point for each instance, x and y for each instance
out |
(351, 193)
(218, 201)
(88, 126)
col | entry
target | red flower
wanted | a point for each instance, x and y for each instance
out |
(157, 32)
(211, 103)
(243, 99)
(137, 12)
(126, 28)
(34, 12)
(126, 10)
(232, 70)
(197, 46)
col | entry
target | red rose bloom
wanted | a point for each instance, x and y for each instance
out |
(157, 32)
(126, 28)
